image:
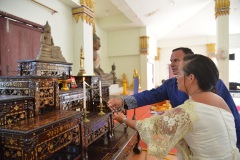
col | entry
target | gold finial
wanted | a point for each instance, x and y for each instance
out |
(82, 71)
(81, 59)
(124, 84)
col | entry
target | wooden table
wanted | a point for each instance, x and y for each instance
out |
(96, 128)
(38, 138)
(123, 143)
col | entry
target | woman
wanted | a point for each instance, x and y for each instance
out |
(202, 128)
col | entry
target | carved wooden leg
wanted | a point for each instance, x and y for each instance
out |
(111, 125)
(85, 157)
(105, 138)
(137, 149)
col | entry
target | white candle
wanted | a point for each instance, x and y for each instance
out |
(84, 94)
(100, 91)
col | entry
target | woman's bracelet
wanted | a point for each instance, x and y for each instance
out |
(124, 121)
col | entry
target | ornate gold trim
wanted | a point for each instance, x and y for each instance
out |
(222, 7)
(157, 58)
(88, 3)
(144, 44)
(85, 12)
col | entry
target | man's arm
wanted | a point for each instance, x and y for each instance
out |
(148, 96)
(225, 94)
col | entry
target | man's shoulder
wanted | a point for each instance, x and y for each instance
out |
(170, 83)
(170, 80)
(220, 83)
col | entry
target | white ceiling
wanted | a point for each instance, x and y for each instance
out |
(167, 19)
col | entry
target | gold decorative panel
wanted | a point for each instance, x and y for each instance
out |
(157, 58)
(222, 7)
(44, 89)
(211, 50)
(144, 44)
(15, 108)
(85, 13)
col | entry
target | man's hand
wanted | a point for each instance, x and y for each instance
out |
(116, 104)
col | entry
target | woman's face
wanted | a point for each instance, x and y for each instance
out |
(181, 78)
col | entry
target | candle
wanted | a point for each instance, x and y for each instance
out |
(100, 91)
(84, 94)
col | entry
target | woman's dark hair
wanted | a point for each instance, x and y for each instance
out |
(204, 69)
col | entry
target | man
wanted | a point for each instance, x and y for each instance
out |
(169, 91)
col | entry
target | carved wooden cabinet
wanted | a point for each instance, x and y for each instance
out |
(45, 123)
(38, 138)
(72, 99)
(98, 126)
(44, 89)
(15, 108)
(43, 68)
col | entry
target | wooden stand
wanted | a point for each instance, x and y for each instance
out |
(39, 138)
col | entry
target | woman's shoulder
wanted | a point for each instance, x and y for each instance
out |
(208, 98)
(211, 99)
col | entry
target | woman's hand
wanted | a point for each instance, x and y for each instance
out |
(119, 117)
(116, 104)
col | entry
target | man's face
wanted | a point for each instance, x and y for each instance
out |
(176, 58)
(180, 77)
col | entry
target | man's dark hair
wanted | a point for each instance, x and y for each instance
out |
(184, 49)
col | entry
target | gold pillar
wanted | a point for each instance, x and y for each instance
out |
(85, 11)
(157, 58)
(144, 44)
